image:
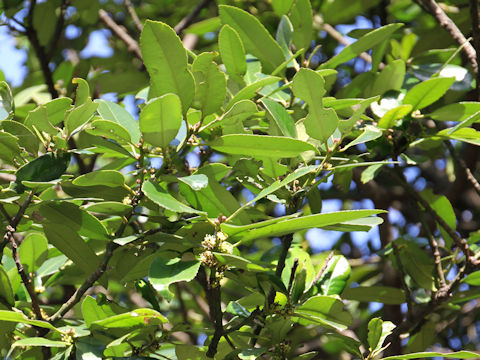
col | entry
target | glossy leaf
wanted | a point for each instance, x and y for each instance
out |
(325, 310)
(232, 51)
(427, 92)
(33, 251)
(44, 168)
(420, 355)
(25, 136)
(168, 271)
(255, 37)
(78, 116)
(161, 119)
(129, 320)
(166, 62)
(282, 118)
(391, 116)
(17, 317)
(108, 207)
(6, 292)
(281, 7)
(9, 148)
(335, 276)
(73, 246)
(304, 222)
(111, 111)
(320, 123)
(39, 341)
(456, 111)
(378, 330)
(162, 198)
(211, 83)
(108, 178)
(366, 42)
(260, 146)
(249, 91)
(301, 17)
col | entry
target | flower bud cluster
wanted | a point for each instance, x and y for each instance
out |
(215, 243)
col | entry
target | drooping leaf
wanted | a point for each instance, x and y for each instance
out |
(14, 316)
(281, 117)
(420, 355)
(6, 292)
(33, 251)
(110, 178)
(325, 310)
(335, 276)
(78, 116)
(378, 330)
(301, 17)
(166, 61)
(130, 320)
(39, 341)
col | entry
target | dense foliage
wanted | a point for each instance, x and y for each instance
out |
(159, 202)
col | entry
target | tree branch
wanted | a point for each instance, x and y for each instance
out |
(121, 33)
(39, 50)
(58, 29)
(444, 21)
(463, 165)
(476, 41)
(133, 15)
(187, 20)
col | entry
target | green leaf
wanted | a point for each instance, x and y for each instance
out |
(78, 116)
(281, 7)
(110, 130)
(108, 208)
(420, 355)
(390, 78)
(260, 146)
(249, 91)
(456, 111)
(232, 52)
(133, 319)
(166, 62)
(369, 133)
(33, 251)
(301, 17)
(57, 108)
(73, 246)
(77, 220)
(320, 123)
(284, 37)
(378, 330)
(366, 42)
(13, 316)
(255, 37)
(473, 278)
(39, 341)
(190, 352)
(110, 178)
(204, 26)
(370, 172)
(238, 262)
(196, 182)
(335, 276)
(168, 271)
(391, 116)
(25, 136)
(39, 119)
(282, 118)
(116, 113)
(6, 98)
(289, 226)
(92, 311)
(325, 310)
(161, 119)
(44, 168)
(211, 83)
(9, 148)
(162, 198)
(6, 292)
(232, 120)
(427, 92)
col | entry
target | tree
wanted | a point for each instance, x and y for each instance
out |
(181, 227)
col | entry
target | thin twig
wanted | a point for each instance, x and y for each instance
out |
(476, 41)
(435, 249)
(408, 294)
(330, 30)
(132, 44)
(133, 15)
(460, 242)
(39, 50)
(12, 226)
(58, 29)
(292, 275)
(463, 165)
(214, 300)
(444, 21)
(323, 268)
(187, 20)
